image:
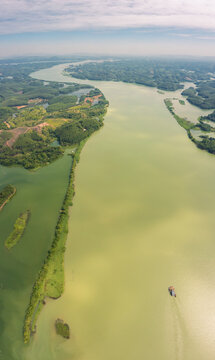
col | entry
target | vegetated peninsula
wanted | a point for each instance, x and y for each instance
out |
(18, 229)
(203, 95)
(6, 195)
(50, 279)
(204, 141)
(62, 329)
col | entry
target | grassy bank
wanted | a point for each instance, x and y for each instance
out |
(6, 195)
(187, 125)
(18, 230)
(206, 143)
(50, 280)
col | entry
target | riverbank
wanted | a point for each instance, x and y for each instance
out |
(130, 236)
(6, 195)
(50, 280)
(205, 142)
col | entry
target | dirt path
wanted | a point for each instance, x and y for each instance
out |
(15, 134)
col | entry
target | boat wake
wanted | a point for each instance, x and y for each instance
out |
(179, 330)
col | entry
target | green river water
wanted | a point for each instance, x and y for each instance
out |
(142, 219)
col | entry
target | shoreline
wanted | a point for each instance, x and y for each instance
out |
(50, 280)
(206, 144)
(8, 199)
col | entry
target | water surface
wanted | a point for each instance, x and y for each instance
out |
(143, 219)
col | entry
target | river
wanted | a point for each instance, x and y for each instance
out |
(142, 219)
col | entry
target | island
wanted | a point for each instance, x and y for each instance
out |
(62, 329)
(18, 229)
(6, 195)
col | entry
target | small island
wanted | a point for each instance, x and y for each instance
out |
(18, 229)
(62, 329)
(182, 102)
(6, 195)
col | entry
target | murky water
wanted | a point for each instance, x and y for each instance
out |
(143, 219)
(42, 192)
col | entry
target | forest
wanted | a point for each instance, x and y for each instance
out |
(165, 74)
(34, 114)
(203, 95)
(210, 117)
(6, 194)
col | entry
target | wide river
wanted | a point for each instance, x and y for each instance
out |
(142, 219)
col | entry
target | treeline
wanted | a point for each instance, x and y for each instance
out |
(161, 73)
(207, 143)
(52, 271)
(31, 150)
(6, 194)
(61, 102)
(70, 134)
(181, 121)
(210, 117)
(203, 95)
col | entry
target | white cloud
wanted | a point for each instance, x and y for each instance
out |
(18, 16)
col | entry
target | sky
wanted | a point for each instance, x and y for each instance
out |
(107, 27)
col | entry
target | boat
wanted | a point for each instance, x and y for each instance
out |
(171, 290)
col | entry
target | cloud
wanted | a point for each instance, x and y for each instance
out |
(20, 16)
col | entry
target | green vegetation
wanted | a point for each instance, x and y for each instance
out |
(61, 103)
(70, 134)
(34, 113)
(6, 194)
(28, 117)
(207, 143)
(203, 95)
(62, 329)
(31, 150)
(182, 102)
(50, 280)
(18, 230)
(4, 137)
(205, 127)
(187, 125)
(161, 73)
(210, 117)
